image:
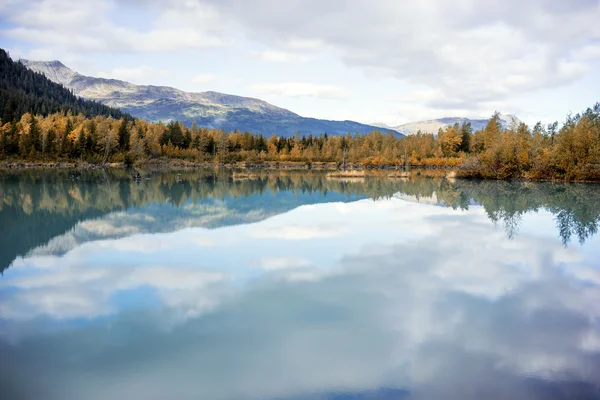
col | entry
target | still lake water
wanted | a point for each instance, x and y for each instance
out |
(293, 286)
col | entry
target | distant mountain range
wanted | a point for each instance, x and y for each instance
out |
(222, 111)
(209, 109)
(433, 125)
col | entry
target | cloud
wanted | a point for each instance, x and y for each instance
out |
(202, 241)
(475, 54)
(297, 232)
(280, 56)
(65, 292)
(204, 78)
(472, 51)
(89, 26)
(33, 54)
(280, 263)
(301, 89)
(140, 75)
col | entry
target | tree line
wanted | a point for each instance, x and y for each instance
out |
(544, 152)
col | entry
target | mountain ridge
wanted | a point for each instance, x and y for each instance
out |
(210, 109)
(224, 111)
(433, 125)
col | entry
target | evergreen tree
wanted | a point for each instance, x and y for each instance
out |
(50, 144)
(123, 135)
(466, 131)
(65, 146)
(173, 134)
(23, 91)
(30, 143)
(187, 139)
(35, 135)
(90, 140)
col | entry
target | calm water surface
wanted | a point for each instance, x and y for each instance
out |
(293, 286)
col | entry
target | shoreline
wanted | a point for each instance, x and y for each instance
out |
(330, 167)
(244, 165)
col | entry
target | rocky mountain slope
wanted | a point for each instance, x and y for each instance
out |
(210, 109)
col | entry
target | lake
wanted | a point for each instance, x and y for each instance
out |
(195, 285)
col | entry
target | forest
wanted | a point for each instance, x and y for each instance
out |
(571, 153)
(23, 91)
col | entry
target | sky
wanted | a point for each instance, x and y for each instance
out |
(371, 61)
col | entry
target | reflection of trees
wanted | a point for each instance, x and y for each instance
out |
(36, 206)
(576, 209)
(575, 206)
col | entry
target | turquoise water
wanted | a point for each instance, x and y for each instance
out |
(194, 285)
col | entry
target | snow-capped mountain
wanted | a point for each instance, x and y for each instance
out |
(432, 126)
(209, 109)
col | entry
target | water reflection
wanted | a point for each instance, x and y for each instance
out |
(100, 205)
(293, 286)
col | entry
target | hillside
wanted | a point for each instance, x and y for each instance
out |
(432, 126)
(209, 109)
(23, 90)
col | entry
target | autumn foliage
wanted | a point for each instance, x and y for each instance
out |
(569, 153)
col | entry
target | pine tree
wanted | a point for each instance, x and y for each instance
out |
(35, 135)
(50, 147)
(466, 131)
(65, 145)
(23, 91)
(123, 135)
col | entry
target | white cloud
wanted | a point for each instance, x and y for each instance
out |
(202, 241)
(168, 278)
(312, 44)
(297, 232)
(139, 75)
(477, 55)
(170, 39)
(67, 291)
(590, 52)
(472, 51)
(280, 263)
(88, 26)
(204, 78)
(280, 56)
(301, 89)
(34, 54)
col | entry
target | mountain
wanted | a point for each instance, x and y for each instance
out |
(433, 125)
(23, 90)
(209, 109)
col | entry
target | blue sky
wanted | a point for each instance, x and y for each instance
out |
(376, 61)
